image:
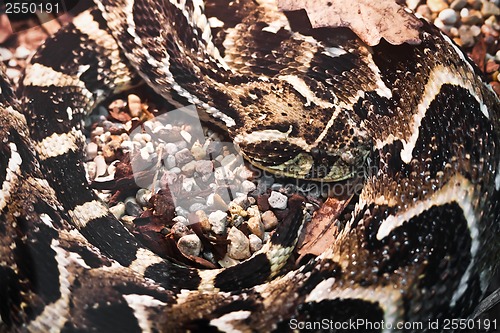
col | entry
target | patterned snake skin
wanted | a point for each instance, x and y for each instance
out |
(419, 242)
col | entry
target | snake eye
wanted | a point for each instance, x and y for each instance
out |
(316, 153)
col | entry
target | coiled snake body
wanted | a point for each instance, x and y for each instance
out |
(420, 243)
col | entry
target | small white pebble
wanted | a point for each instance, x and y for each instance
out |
(475, 30)
(448, 16)
(13, 73)
(150, 147)
(218, 220)
(186, 136)
(187, 184)
(142, 196)
(22, 52)
(190, 245)
(134, 105)
(170, 148)
(179, 230)
(91, 170)
(277, 200)
(256, 227)
(180, 219)
(170, 162)
(243, 173)
(127, 145)
(198, 151)
(210, 200)
(118, 210)
(239, 248)
(91, 150)
(255, 243)
(269, 220)
(5, 54)
(175, 170)
(144, 153)
(247, 186)
(112, 167)
(228, 262)
(223, 174)
(101, 166)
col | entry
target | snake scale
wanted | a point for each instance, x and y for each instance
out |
(420, 242)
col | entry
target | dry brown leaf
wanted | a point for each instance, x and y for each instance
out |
(370, 20)
(5, 28)
(478, 54)
(321, 231)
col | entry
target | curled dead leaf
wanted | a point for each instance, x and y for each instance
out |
(370, 20)
(321, 231)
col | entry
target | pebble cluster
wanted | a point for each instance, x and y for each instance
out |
(472, 24)
(205, 176)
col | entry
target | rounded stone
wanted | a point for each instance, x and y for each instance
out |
(239, 248)
(170, 148)
(489, 8)
(186, 136)
(277, 200)
(448, 16)
(458, 4)
(269, 220)
(247, 186)
(437, 5)
(183, 156)
(189, 168)
(91, 170)
(118, 210)
(412, 4)
(255, 243)
(190, 245)
(132, 207)
(5, 54)
(170, 162)
(198, 151)
(101, 166)
(22, 52)
(203, 220)
(134, 105)
(228, 262)
(256, 227)
(197, 207)
(218, 221)
(204, 167)
(142, 196)
(179, 230)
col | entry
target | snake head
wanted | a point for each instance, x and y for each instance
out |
(286, 155)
